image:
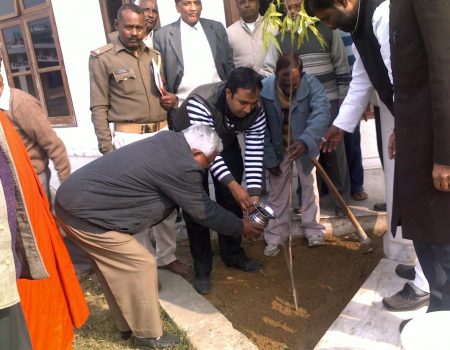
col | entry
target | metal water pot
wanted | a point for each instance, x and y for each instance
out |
(262, 215)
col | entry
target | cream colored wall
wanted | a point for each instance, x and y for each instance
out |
(80, 30)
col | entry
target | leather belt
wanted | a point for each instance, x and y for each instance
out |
(140, 128)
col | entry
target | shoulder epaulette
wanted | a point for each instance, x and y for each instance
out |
(158, 58)
(155, 51)
(101, 50)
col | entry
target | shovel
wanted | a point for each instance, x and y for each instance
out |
(363, 238)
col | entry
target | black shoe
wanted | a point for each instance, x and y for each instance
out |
(406, 300)
(379, 207)
(403, 324)
(125, 335)
(202, 285)
(165, 341)
(248, 265)
(406, 271)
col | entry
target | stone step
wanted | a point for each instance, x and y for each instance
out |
(371, 221)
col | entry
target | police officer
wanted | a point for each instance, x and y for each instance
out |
(123, 86)
(124, 92)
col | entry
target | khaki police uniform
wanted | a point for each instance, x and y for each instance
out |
(123, 92)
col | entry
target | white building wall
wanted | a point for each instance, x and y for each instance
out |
(80, 29)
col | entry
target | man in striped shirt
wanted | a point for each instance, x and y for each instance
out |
(231, 107)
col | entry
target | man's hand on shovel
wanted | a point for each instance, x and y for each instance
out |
(360, 231)
(296, 149)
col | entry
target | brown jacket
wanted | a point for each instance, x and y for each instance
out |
(36, 132)
(122, 89)
(420, 49)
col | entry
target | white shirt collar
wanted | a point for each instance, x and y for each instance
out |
(148, 40)
(185, 26)
(251, 26)
(149, 36)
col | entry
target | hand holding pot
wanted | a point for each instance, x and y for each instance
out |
(251, 230)
(240, 195)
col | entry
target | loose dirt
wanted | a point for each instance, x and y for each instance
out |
(261, 305)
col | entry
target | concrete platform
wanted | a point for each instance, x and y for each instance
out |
(340, 226)
(364, 324)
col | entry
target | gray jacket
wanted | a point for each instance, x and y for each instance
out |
(138, 186)
(168, 42)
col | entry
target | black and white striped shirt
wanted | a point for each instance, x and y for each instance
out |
(254, 146)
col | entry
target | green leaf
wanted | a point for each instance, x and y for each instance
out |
(276, 43)
(301, 25)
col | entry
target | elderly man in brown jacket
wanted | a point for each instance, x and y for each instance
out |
(42, 143)
(32, 124)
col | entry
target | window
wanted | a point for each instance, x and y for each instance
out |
(109, 13)
(231, 12)
(32, 56)
(8, 9)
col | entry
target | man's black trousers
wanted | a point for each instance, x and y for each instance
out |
(199, 236)
(435, 262)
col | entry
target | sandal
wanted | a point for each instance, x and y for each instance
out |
(359, 196)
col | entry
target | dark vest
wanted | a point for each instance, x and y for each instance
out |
(212, 96)
(369, 50)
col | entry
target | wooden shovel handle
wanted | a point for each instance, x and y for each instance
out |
(362, 235)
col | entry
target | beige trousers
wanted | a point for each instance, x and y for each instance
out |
(127, 273)
(277, 231)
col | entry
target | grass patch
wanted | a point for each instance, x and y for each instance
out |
(99, 332)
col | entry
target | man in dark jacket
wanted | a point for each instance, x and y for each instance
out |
(420, 46)
(102, 205)
(231, 108)
(368, 23)
(195, 50)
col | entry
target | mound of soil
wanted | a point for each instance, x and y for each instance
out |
(261, 305)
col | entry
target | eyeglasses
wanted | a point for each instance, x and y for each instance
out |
(206, 162)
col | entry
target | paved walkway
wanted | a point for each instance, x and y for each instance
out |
(365, 324)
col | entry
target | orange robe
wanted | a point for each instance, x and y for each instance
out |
(54, 306)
